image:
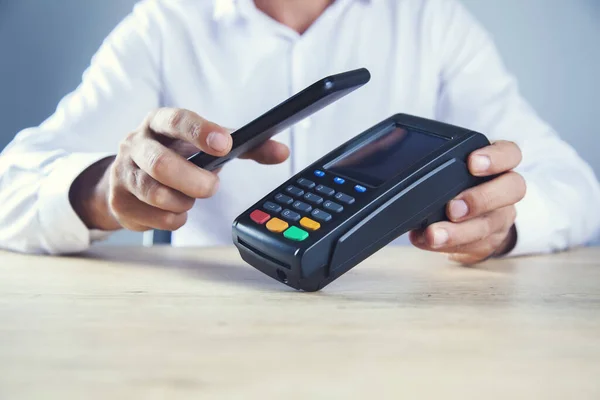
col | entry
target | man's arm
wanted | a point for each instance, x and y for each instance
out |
(39, 166)
(112, 156)
(560, 208)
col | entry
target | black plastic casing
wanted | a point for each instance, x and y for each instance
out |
(411, 200)
(301, 105)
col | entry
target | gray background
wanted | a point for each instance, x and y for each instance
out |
(552, 46)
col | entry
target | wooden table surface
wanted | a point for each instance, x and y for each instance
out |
(166, 323)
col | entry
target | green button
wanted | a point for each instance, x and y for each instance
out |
(295, 233)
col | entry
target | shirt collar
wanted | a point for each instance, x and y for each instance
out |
(223, 9)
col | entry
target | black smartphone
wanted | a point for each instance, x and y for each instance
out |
(304, 103)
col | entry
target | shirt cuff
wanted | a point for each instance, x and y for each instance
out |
(536, 224)
(63, 229)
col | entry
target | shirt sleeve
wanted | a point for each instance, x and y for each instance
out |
(560, 209)
(37, 168)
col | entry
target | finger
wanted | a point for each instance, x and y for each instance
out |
(184, 148)
(270, 152)
(501, 156)
(469, 253)
(172, 170)
(127, 224)
(131, 226)
(151, 192)
(505, 190)
(479, 251)
(446, 236)
(192, 128)
(133, 214)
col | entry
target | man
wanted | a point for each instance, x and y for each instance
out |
(175, 76)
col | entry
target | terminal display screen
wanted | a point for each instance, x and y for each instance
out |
(386, 156)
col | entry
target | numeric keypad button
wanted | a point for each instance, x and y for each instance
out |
(344, 198)
(291, 215)
(331, 206)
(320, 215)
(327, 191)
(313, 198)
(294, 191)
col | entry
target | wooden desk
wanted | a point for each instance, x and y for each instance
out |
(163, 323)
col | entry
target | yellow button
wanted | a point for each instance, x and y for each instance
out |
(309, 224)
(277, 225)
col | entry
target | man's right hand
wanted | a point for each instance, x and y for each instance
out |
(150, 184)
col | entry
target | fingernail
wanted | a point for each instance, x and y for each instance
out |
(481, 163)
(458, 209)
(217, 141)
(440, 237)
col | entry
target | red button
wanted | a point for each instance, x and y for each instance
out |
(259, 217)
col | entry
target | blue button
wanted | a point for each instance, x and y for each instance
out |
(360, 189)
(338, 180)
(319, 173)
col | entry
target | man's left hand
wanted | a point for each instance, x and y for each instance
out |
(481, 218)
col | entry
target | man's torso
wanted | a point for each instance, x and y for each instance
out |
(233, 67)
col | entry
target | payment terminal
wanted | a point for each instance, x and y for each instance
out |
(395, 177)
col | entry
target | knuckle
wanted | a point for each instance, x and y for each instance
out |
(181, 220)
(114, 171)
(459, 248)
(489, 248)
(195, 131)
(115, 202)
(131, 137)
(157, 195)
(137, 180)
(483, 200)
(156, 162)
(167, 220)
(203, 190)
(207, 186)
(172, 221)
(144, 186)
(175, 119)
(127, 142)
(179, 203)
(508, 153)
(147, 189)
(124, 146)
(187, 204)
(150, 116)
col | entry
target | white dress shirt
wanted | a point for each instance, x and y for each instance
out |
(229, 62)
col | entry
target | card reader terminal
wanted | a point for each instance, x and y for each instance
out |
(394, 177)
